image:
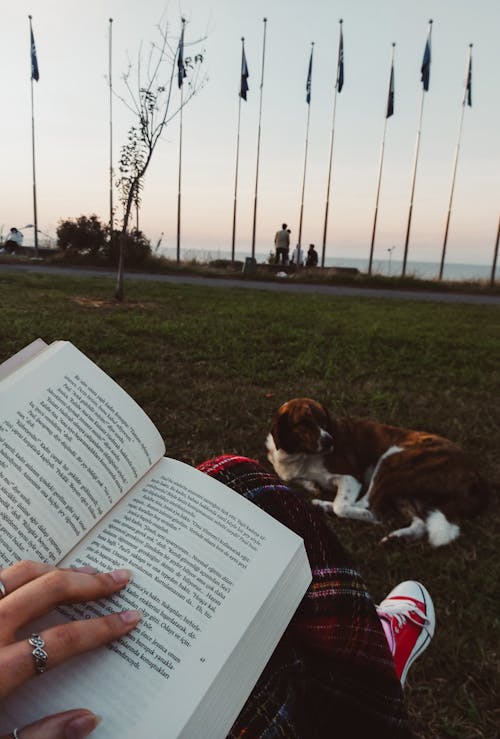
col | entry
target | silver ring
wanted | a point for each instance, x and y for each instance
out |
(15, 734)
(40, 656)
(3, 591)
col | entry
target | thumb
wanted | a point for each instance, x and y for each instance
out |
(75, 724)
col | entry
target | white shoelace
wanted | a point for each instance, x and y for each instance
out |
(403, 610)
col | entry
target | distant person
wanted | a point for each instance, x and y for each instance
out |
(297, 257)
(14, 240)
(312, 257)
(282, 244)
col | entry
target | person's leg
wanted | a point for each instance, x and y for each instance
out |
(332, 673)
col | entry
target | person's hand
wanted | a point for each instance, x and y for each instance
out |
(68, 725)
(31, 590)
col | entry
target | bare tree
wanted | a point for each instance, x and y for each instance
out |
(149, 88)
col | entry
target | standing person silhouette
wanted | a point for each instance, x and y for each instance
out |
(282, 244)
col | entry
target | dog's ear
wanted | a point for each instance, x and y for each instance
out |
(329, 422)
(277, 430)
(280, 430)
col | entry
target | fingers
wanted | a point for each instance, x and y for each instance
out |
(68, 725)
(55, 586)
(25, 571)
(21, 573)
(32, 589)
(61, 643)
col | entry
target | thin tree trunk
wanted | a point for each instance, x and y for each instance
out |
(120, 283)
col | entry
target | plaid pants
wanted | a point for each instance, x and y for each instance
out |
(332, 673)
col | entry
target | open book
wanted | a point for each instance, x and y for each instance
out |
(83, 480)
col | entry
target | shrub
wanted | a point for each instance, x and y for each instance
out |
(85, 235)
(137, 248)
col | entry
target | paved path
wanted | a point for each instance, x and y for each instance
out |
(276, 286)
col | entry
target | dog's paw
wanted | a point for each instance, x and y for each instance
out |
(390, 540)
(363, 514)
(309, 486)
(325, 505)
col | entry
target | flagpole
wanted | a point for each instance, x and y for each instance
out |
(236, 183)
(327, 206)
(299, 241)
(410, 212)
(382, 148)
(180, 154)
(237, 162)
(179, 186)
(417, 147)
(35, 213)
(455, 163)
(495, 255)
(258, 142)
(111, 214)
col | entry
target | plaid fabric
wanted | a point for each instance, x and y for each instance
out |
(332, 673)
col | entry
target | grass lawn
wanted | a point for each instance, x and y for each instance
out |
(210, 366)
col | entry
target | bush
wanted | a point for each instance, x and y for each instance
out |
(85, 235)
(137, 248)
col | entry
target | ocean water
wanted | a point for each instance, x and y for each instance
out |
(428, 270)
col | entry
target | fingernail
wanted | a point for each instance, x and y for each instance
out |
(131, 617)
(82, 726)
(121, 575)
(87, 569)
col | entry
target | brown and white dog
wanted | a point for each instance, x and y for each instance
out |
(377, 470)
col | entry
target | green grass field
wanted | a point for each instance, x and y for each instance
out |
(210, 366)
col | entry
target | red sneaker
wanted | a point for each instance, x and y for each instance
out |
(407, 615)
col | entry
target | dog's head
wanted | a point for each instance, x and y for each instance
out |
(302, 426)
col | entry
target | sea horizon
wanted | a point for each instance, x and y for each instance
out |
(453, 271)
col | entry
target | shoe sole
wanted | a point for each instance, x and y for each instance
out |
(424, 639)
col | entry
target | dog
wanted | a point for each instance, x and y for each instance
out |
(377, 470)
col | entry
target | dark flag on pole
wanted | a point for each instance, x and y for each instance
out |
(181, 69)
(244, 75)
(340, 63)
(426, 65)
(468, 85)
(309, 76)
(390, 97)
(35, 75)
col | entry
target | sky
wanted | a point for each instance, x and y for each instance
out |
(72, 122)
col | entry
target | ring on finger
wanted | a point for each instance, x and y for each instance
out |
(3, 590)
(15, 734)
(40, 656)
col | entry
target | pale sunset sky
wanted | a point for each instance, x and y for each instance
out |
(72, 122)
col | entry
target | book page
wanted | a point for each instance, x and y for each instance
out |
(26, 354)
(204, 561)
(72, 442)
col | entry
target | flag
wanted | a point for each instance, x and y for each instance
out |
(426, 65)
(468, 84)
(35, 75)
(390, 97)
(244, 75)
(309, 76)
(340, 63)
(181, 69)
